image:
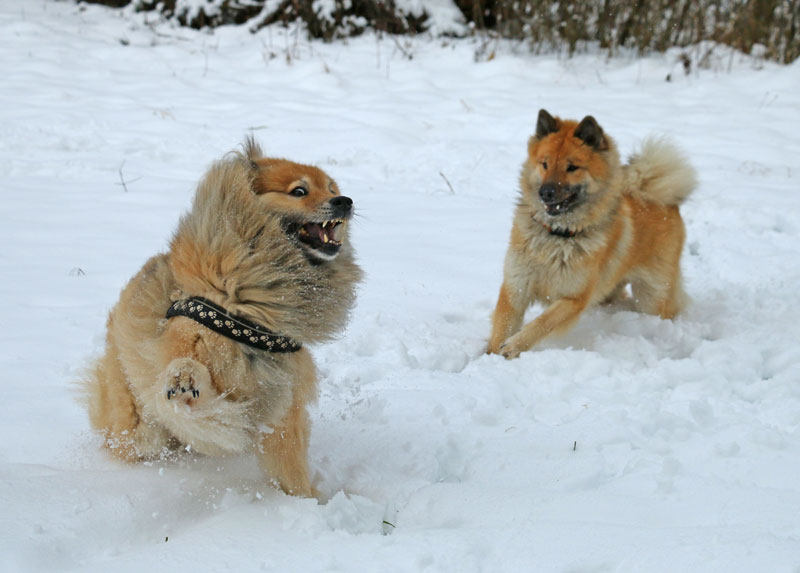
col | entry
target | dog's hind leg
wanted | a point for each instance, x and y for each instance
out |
(656, 284)
(659, 295)
(658, 288)
(114, 411)
(617, 296)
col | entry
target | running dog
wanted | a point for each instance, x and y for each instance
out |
(586, 227)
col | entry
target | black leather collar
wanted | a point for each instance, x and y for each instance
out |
(236, 328)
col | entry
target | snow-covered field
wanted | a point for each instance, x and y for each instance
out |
(630, 444)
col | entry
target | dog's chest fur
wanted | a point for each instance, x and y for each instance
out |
(545, 266)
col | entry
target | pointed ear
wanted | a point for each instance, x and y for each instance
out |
(545, 124)
(252, 151)
(591, 134)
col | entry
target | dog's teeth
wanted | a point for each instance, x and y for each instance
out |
(324, 237)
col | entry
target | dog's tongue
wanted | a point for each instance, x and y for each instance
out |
(315, 230)
(323, 234)
(327, 233)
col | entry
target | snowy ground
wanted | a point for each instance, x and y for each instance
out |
(631, 444)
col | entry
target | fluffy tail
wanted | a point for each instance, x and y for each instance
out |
(659, 173)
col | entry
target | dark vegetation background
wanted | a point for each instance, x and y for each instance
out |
(766, 28)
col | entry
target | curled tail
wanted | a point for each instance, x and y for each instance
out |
(659, 173)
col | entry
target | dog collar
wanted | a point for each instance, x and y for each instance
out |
(236, 328)
(563, 233)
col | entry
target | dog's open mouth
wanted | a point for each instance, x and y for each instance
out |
(563, 206)
(325, 237)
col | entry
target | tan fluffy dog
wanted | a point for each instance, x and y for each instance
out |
(585, 227)
(266, 240)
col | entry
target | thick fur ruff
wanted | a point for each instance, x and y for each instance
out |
(586, 227)
(164, 383)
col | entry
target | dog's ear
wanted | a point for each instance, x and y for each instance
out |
(252, 151)
(591, 134)
(545, 124)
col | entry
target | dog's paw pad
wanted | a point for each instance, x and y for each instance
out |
(175, 391)
(183, 389)
(187, 382)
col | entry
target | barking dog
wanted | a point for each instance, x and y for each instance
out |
(206, 345)
(585, 227)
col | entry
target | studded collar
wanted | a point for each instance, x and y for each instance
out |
(235, 327)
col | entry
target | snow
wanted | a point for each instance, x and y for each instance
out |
(630, 444)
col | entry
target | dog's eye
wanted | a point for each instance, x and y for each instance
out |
(298, 191)
(544, 165)
(571, 168)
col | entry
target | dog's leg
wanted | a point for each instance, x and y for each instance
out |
(284, 452)
(658, 288)
(507, 318)
(113, 411)
(185, 377)
(558, 317)
(186, 398)
(676, 298)
(619, 298)
(187, 381)
(660, 295)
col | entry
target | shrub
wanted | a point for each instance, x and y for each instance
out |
(767, 27)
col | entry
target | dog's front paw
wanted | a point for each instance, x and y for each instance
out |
(512, 348)
(187, 381)
(493, 348)
(509, 352)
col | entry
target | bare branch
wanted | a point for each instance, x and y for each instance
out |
(122, 178)
(453, 191)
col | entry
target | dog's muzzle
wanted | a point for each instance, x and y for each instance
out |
(559, 199)
(323, 238)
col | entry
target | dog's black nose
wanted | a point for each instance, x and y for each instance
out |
(342, 201)
(341, 206)
(547, 192)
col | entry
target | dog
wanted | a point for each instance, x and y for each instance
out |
(585, 227)
(206, 347)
